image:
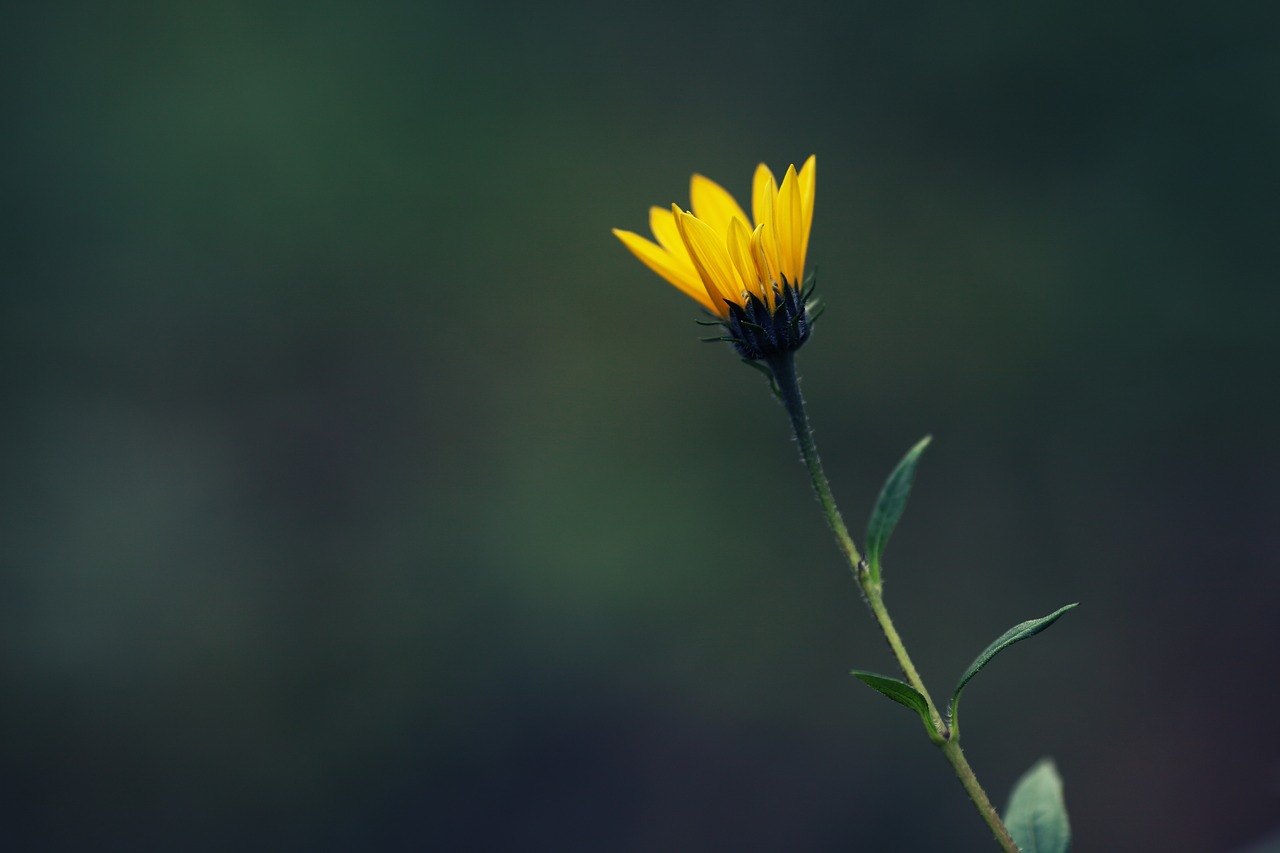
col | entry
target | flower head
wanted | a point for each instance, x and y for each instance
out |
(749, 276)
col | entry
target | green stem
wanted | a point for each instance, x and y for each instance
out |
(951, 749)
(874, 593)
(787, 385)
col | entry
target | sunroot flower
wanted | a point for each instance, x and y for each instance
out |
(749, 277)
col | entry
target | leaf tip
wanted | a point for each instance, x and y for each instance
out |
(918, 448)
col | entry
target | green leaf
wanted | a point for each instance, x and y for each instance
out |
(903, 694)
(1015, 634)
(1037, 814)
(890, 504)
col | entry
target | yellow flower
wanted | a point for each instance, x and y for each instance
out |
(748, 276)
(715, 255)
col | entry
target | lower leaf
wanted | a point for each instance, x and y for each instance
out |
(1037, 814)
(903, 694)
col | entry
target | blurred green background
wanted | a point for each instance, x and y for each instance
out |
(361, 492)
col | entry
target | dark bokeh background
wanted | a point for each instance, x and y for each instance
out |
(360, 492)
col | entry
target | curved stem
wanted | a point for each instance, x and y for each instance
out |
(951, 749)
(874, 594)
(787, 386)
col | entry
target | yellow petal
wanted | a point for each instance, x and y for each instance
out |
(711, 260)
(762, 186)
(808, 183)
(790, 226)
(768, 229)
(663, 224)
(664, 264)
(768, 272)
(713, 205)
(740, 255)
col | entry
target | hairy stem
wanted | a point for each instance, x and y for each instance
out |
(787, 385)
(951, 749)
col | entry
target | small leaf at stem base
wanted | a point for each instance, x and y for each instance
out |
(890, 504)
(1017, 633)
(903, 694)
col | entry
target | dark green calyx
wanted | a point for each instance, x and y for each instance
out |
(759, 333)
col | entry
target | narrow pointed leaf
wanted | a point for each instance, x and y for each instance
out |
(1017, 633)
(1037, 814)
(890, 504)
(903, 694)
